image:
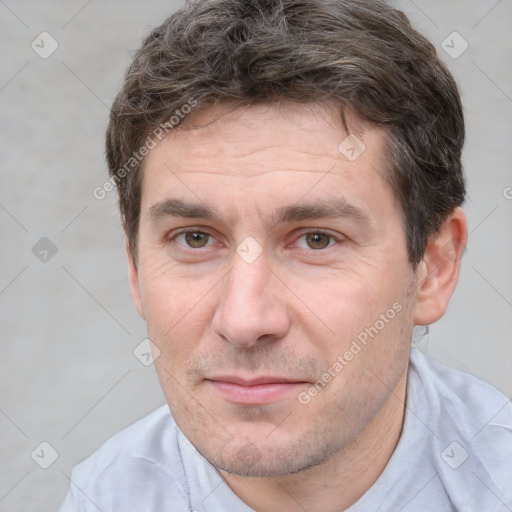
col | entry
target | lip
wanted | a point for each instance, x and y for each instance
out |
(254, 391)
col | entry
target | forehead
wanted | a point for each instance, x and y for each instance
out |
(309, 130)
(284, 151)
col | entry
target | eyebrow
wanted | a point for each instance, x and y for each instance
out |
(322, 208)
(179, 208)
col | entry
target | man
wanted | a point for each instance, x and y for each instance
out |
(290, 188)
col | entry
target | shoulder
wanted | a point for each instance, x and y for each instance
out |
(462, 395)
(141, 462)
(471, 421)
(143, 438)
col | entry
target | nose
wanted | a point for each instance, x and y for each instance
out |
(252, 305)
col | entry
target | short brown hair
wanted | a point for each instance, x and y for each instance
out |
(360, 54)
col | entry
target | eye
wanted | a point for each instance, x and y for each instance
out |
(194, 239)
(315, 240)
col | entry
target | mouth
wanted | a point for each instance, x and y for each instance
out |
(254, 391)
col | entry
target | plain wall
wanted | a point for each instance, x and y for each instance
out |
(68, 373)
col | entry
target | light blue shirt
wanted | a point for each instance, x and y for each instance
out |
(454, 454)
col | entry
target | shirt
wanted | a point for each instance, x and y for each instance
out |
(454, 454)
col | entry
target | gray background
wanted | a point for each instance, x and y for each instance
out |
(68, 373)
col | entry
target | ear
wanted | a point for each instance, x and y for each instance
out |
(439, 271)
(133, 275)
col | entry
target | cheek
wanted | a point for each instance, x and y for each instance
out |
(344, 301)
(165, 299)
(178, 311)
(362, 314)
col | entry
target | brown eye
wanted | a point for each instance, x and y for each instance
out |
(196, 239)
(318, 240)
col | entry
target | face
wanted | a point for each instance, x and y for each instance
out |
(273, 273)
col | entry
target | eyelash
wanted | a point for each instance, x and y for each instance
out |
(333, 238)
(172, 237)
(337, 239)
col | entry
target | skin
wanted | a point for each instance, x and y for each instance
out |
(294, 309)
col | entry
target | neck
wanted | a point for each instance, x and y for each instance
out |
(342, 480)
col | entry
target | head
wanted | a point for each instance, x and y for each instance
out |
(290, 179)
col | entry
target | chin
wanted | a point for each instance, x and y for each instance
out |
(265, 459)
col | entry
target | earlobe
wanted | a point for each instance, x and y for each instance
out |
(133, 277)
(439, 271)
